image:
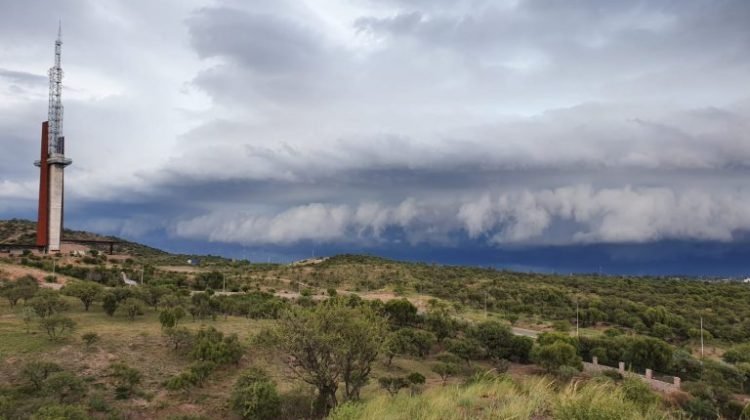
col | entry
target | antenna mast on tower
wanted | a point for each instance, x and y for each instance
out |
(55, 112)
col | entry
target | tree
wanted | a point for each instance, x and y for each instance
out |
(393, 384)
(23, 288)
(553, 356)
(414, 341)
(167, 318)
(401, 312)
(445, 370)
(132, 307)
(57, 326)
(86, 291)
(110, 303)
(329, 343)
(47, 303)
(495, 337)
(467, 349)
(255, 396)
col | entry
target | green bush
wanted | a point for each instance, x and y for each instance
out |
(255, 396)
(553, 356)
(61, 412)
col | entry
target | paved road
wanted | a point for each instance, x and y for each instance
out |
(524, 332)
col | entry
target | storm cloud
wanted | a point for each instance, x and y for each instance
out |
(430, 123)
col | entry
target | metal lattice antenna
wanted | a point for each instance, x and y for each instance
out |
(55, 111)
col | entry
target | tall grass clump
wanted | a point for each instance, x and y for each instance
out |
(504, 398)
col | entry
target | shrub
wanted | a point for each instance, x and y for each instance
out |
(738, 354)
(552, 356)
(90, 338)
(126, 379)
(255, 396)
(57, 326)
(132, 307)
(47, 303)
(61, 412)
(639, 392)
(37, 372)
(393, 384)
(401, 312)
(110, 303)
(67, 387)
(445, 370)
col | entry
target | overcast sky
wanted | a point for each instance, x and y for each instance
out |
(374, 124)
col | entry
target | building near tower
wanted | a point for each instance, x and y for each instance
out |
(52, 162)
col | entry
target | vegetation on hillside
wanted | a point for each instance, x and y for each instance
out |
(359, 337)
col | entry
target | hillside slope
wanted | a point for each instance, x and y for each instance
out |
(21, 231)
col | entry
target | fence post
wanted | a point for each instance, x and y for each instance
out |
(621, 368)
(595, 361)
(649, 374)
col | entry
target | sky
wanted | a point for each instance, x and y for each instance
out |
(543, 135)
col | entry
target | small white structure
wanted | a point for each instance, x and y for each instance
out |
(747, 280)
(127, 281)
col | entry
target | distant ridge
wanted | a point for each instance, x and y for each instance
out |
(22, 231)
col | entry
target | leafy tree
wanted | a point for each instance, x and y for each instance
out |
(520, 348)
(555, 355)
(57, 326)
(167, 318)
(23, 288)
(126, 379)
(110, 303)
(445, 370)
(467, 349)
(401, 312)
(393, 384)
(413, 341)
(441, 324)
(213, 280)
(86, 291)
(255, 396)
(330, 343)
(495, 337)
(47, 303)
(132, 307)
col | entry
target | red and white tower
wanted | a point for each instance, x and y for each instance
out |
(52, 162)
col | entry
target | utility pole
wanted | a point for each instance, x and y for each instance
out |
(485, 304)
(701, 336)
(576, 317)
(142, 270)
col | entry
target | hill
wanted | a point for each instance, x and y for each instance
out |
(21, 231)
(187, 340)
